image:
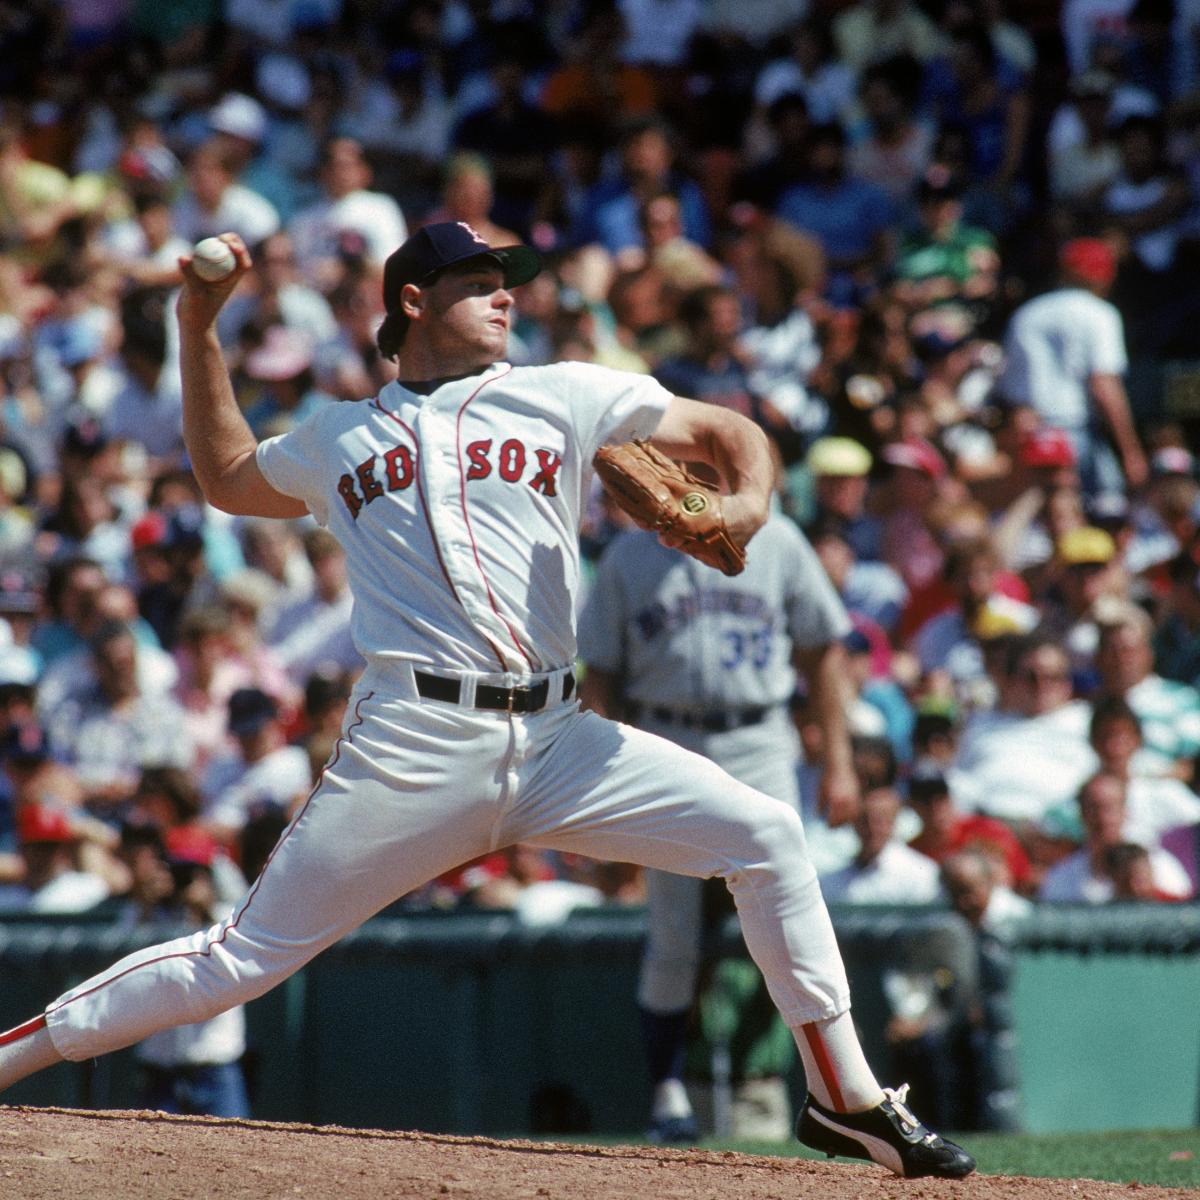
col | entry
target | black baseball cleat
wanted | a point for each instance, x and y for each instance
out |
(888, 1134)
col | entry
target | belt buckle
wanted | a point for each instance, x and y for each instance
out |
(512, 695)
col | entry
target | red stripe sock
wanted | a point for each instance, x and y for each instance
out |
(820, 1054)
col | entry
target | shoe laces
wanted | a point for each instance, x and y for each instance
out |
(899, 1101)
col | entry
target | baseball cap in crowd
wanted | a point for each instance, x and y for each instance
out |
(927, 780)
(25, 744)
(838, 456)
(148, 530)
(1089, 259)
(283, 354)
(84, 437)
(996, 621)
(857, 642)
(1086, 545)
(40, 824)
(249, 710)
(239, 116)
(917, 454)
(1172, 460)
(185, 528)
(189, 845)
(1047, 448)
(936, 332)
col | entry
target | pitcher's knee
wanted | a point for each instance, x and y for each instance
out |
(775, 848)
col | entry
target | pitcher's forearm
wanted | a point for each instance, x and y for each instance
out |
(214, 430)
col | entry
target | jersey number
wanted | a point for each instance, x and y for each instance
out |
(742, 647)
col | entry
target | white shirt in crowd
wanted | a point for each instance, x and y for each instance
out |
(1071, 881)
(233, 789)
(897, 875)
(1016, 768)
(1054, 343)
(241, 211)
(313, 634)
(376, 217)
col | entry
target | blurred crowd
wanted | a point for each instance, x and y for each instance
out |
(924, 245)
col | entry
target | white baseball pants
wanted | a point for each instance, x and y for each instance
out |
(417, 787)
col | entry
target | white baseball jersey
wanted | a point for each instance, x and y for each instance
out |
(466, 558)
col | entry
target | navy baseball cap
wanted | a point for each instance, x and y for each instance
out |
(444, 244)
(250, 709)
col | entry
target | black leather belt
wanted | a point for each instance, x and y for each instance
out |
(498, 699)
(707, 722)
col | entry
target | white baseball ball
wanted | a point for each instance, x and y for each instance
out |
(212, 259)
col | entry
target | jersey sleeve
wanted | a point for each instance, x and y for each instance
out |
(1107, 349)
(613, 406)
(293, 463)
(815, 613)
(601, 635)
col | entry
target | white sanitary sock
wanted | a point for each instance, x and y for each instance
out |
(670, 1100)
(837, 1073)
(24, 1050)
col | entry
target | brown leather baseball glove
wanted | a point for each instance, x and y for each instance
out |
(663, 496)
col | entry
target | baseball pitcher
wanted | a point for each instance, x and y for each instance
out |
(456, 493)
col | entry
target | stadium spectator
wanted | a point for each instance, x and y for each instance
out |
(946, 831)
(112, 729)
(1031, 752)
(314, 632)
(1169, 712)
(1082, 877)
(1065, 356)
(884, 870)
(347, 206)
(263, 774)
(54, 880)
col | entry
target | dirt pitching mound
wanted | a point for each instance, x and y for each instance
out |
(47, 1154)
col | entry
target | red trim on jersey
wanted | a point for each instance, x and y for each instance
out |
(207, 951)
(433, 536)
(812, 1035)
(23, 1031)
(467, 520)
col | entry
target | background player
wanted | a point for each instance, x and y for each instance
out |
(685, 652)
(456, 494)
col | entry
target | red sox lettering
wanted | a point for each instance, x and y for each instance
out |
(511, 459)
(398, 469)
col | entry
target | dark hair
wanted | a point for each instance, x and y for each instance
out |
(695, 305)
(391, 334)
(1112, 708)
(176, 786)
(1028, 644)
(1122, 856)
(963, 555)
(880, 768)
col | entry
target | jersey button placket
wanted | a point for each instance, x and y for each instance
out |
(448, 524)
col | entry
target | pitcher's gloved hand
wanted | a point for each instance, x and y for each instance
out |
(663, 496)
